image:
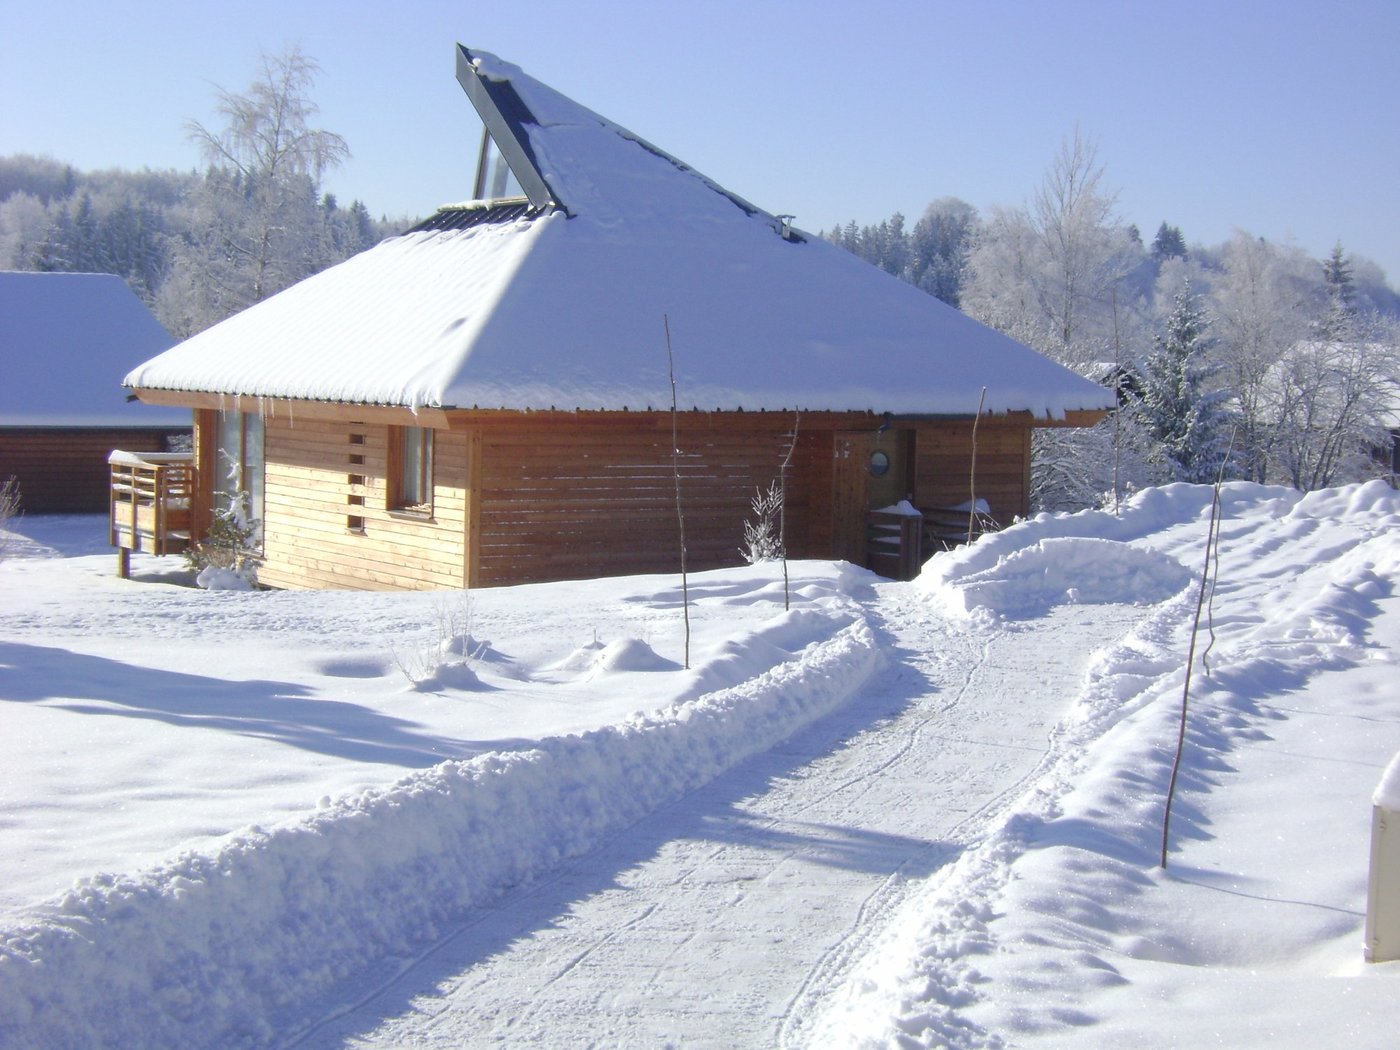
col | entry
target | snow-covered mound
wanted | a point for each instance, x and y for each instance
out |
(1032, 579)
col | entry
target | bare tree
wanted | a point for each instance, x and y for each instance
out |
(258, 223)
(1085, 245)
(1045, 273)
(267, 133)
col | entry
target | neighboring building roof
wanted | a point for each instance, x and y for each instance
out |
(66, 340)
(563, 304)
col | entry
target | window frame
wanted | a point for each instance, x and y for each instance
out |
(242, 468)
(410, 450)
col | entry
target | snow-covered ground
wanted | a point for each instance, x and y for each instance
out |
(232, 819)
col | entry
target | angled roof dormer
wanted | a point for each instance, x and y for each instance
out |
(566, 156)
(505, 115)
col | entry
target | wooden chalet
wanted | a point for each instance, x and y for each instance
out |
(487, 399)
(63, 338)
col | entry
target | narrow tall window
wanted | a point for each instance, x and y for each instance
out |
(494, 178)
(411, 468)
(239, 464)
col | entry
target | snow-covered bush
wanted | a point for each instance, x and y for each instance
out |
(227, 558)
(763, 540)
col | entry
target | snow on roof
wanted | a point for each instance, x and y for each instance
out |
(66, 340)
(566, 308)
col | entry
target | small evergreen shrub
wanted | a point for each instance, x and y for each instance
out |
(227, 558)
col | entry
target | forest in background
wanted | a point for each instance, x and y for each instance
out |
(198, 246)
(1244, 360)
(1248, 359)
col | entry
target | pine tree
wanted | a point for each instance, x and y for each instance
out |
(1179, 412)
(1168, 244)
(1341, 296)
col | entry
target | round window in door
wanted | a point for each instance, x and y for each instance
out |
(879, 464)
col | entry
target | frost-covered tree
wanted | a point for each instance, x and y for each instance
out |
(258, 222)
(1055, 275)
(1330, 401)
(1183, 415)
(939, 248)
(1262, 301)
(1048, 273)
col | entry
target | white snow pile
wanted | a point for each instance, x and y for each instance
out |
(1060, 928)
(219, 949)
(1076, 570)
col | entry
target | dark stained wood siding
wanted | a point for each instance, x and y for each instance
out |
(63, 470)
(591, 496)
(943, 464)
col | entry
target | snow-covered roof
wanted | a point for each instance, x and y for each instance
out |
(566, 305)
(66, 340)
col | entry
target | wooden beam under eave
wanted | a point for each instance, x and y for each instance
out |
(293, 409)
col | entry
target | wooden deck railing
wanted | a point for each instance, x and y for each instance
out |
(150, 503)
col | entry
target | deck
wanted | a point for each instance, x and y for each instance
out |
(150, 504)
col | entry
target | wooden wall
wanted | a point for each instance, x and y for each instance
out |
(522, 497)
(325, 522)
(943, 464)
(64, 470)
(584, 495)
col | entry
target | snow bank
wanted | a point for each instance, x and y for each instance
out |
(223, 949)
(1058, 928)
(1029, 581)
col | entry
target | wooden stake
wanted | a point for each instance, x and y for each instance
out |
(972, 474)
(782, 505)
(676, 471)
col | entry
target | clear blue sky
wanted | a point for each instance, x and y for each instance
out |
(1278, 117)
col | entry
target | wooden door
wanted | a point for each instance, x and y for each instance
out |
(850, 500)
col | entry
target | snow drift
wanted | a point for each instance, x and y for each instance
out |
(219, 950)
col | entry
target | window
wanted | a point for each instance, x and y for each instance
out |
(239, 463)
(411, 469)
(494, 178)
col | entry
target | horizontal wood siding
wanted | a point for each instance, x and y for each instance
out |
(312, 503)
(64, 471)
(943, 464)
(523, 497)
(588, 496)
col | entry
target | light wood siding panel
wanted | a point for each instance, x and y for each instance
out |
(596, 496)
(308, 506)
(943, 464)
(64, 470)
